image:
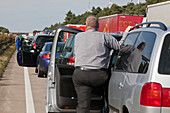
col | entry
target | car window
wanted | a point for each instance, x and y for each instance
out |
(164, 62)
(131, 38)
(149, 39)
(69, 44)
(43, 39)
(130, 41)
(68, 48)
(134, 56)
(48, 47)
(44, 47)
(60, 46)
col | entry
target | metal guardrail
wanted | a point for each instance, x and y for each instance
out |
(5, 43)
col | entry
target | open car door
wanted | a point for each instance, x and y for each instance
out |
(61, 95)
(26, 56)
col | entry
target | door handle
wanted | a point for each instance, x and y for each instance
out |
(120, 85)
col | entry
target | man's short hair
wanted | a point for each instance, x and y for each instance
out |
(92, 21)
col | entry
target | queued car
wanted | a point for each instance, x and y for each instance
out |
(144, 91)
(148, 89)
(25, 43)
(28, 54)
(40, 40)
(44, 57)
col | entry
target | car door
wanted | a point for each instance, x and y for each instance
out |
(61, 95)
(26, 55)
(118, 75)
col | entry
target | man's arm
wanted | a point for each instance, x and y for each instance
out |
(126, 49)
(125, 34)
(113, 43)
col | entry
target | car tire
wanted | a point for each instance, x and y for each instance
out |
(40, 73)
(105, 110)
(36, 70)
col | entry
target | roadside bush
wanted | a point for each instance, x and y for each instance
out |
(5, 57)
(5, 38)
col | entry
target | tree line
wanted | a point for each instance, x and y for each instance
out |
(130, 8)
(4, 30)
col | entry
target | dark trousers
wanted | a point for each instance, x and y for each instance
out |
(84, 81)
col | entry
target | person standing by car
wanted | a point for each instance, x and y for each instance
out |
(21, 41)
(91, 52)
(17, 41)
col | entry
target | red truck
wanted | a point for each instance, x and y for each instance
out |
(77, 26)
(118, 22)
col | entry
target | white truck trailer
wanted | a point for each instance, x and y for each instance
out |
(159, 12)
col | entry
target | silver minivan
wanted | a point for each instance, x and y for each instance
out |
(148, 90)
(145, 91)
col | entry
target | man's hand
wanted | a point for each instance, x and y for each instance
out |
(128, 29)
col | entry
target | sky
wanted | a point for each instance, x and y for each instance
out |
(29, 15)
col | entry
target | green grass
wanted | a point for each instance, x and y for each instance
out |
(5, 57)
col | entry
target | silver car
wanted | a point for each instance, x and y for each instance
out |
(148, 90)
(144, 91)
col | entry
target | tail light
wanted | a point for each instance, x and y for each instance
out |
(166, 97)
(154, 95)
(46, 55)
(71, 60)
(66, 107)
(151, 95)
(34, 46)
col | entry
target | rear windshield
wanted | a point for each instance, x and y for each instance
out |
(164, 63)
(48, 47)
(43, 39)
(59, 47)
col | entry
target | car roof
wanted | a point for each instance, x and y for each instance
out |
(116, 35)
(44, 35)
(52, 42)
(69, 29)
(48, 43)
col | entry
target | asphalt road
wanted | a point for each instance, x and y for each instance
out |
(21, 91)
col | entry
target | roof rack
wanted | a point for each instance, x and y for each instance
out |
(148, 24)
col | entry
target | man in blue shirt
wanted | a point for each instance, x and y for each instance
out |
(17, 41)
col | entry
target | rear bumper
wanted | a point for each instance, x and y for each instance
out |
(44, 63)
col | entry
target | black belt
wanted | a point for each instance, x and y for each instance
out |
(88, 69)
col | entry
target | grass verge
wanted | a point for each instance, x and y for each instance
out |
(5, 57)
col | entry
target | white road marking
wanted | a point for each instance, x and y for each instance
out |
(28, 93)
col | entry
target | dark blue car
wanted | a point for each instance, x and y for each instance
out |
(44, 57)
